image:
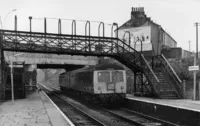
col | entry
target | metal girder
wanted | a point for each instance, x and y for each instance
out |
(56, 43)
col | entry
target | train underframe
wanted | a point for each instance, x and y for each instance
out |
(111, 98)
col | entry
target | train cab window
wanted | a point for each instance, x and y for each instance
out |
(103, 76)
(117, 76)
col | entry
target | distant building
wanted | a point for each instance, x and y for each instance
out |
(187, 54)
(176, 53)
(142, 29)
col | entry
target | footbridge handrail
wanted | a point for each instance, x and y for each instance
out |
(161, 62)
(171, 68)
(150, 69)
(175, 80)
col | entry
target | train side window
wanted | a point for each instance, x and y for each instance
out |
(103, 76)
(117, 76)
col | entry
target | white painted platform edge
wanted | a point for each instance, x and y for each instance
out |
(174, 106)
(66, 118)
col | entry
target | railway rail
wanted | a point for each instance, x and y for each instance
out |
(137, 118)
(76, 115)
(106, 115)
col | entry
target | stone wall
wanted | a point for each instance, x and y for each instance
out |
(29, 78)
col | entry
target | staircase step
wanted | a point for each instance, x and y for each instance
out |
(175, 97)
(167, 93)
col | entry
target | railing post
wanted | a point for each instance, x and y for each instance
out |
(74, 33)
(59, 27)
(15, 31)
(45, 32)
(101, 23)
(59, 33)
(129, 38)
(30, 19)
(45, 26)
(87, 24)
(100, 45)
(15, 23)
(116, 35)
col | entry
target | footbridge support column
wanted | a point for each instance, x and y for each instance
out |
(2, 77)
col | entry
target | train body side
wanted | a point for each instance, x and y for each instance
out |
(81, 81)
(95, 81)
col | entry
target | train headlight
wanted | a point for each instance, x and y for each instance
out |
(99, 88)
(122, 87)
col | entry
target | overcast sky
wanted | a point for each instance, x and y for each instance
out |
(177, 17)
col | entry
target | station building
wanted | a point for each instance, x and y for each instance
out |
(143, 30)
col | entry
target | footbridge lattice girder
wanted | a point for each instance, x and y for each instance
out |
(55, 43)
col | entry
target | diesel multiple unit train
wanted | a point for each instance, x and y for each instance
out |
(104, 82)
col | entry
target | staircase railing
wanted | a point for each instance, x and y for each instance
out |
(150, 69)
(173, 77)
(172, 74)
(126, 52)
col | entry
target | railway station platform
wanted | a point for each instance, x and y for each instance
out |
(36, 110)
(187, 104)
(179, 111)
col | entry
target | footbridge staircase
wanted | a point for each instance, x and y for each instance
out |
(153, 77)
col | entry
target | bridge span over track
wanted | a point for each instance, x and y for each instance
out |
(84, 45)
(39, 58)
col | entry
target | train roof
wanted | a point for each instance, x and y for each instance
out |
(104, 66)
(108, 66)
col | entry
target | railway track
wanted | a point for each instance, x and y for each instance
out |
(138, 119)
(97, 115)
(76, 115)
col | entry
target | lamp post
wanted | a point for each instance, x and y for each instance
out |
(11, 76)
(7, 16)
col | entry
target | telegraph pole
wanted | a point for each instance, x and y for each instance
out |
(197, 24)
(195, 60)
(189, 46)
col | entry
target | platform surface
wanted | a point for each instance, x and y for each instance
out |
(35, 110)
(187, 104)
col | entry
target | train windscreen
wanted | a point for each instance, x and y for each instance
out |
(117, 76)
(104, 76)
